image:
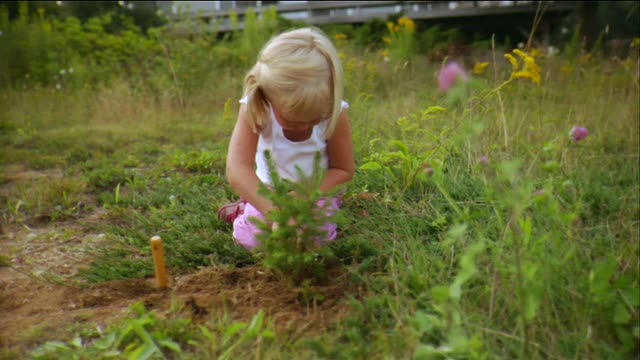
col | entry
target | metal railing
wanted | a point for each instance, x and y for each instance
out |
(344, 12)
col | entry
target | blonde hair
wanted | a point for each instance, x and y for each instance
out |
(300, 73)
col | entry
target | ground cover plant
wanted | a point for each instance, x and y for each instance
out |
(494, 212)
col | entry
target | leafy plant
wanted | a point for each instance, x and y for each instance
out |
(141, 337)
(229, 339)
(294, 249)
(401, 39)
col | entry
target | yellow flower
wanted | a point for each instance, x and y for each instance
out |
(385, 52)
(407, 22)
(520, 53)
(390, 26)
(480, 68)
(396, 28)
(386, 39)
(530, 64)
(513, 61)
(535, 77)
(341, 36)
(530, 69)
(635, 42)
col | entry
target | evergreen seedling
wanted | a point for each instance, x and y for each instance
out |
(293, 248)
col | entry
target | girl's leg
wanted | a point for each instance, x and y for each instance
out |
(330, 228)
(244, 231)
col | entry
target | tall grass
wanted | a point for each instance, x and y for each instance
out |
(480, 229)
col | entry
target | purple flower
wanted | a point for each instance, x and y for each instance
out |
(578, 133)
(484, 160)
(450, 74)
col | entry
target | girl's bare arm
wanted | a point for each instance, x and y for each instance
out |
(340, 151)
(241, 172)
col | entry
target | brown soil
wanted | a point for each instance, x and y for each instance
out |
(42, 299)
(35, 309)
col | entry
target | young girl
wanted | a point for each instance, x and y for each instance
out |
(293, 107)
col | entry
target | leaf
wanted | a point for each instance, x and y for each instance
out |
(371, 165)
(456, 232)
(423, 322)
(142, 352)
(440, 293)
(527, 226)
(621, 314)
(268, 334)
(256, 322)
(403, 147)
(171, 345)
(509, 170)
(467, 269)
(424, 352)
(76, 342)
(235, 328)
(599, 279)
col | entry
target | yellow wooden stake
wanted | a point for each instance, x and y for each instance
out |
(158, 261)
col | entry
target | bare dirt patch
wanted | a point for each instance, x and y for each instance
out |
(34, 311)
(42, 297)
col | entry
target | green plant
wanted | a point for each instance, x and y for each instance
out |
(406, 167)
(196, 161)
(294, 249)
(230, 340)
(141, 337)
(401, 39)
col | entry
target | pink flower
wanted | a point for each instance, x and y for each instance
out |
(578, 133)
(450, 74)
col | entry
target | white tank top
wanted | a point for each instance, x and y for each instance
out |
(286, 153)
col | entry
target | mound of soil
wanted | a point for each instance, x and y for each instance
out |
(34, 311)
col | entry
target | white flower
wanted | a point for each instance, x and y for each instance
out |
(71, 70)
(63, 71)
(520, 45)
(58, 86)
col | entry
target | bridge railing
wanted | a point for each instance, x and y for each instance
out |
(344, 12)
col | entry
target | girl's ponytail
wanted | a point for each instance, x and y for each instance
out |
(325, 46)
(256, 101)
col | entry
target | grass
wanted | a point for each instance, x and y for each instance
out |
(533, 255)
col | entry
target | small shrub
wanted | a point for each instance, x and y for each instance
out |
(294, 249)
